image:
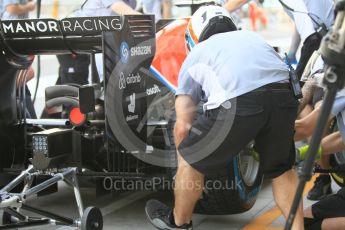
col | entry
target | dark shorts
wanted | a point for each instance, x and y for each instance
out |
(312, 224)
(73, 69)
(330, 207)
(265, 115)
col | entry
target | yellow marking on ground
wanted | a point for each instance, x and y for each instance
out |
(263, 221)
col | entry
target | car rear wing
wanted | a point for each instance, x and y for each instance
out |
(70, 35)
(127, 44)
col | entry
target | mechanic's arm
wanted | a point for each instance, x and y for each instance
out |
(166, 6)
(17, 9)
(312, 75)
(185, 113)
(305, 127)
(295, 42)
(307, 92)
(122, 8)
(232, 5)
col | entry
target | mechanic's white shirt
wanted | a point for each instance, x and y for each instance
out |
(152, 7)
(228, 65)
(93, 8)
(323, 9)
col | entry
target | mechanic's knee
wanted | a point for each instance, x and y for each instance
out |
(182, 163)
(181, 132)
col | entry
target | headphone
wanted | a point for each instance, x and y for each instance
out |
(217, 25)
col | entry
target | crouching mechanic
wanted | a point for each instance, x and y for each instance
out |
(327, 214)
(248, 97)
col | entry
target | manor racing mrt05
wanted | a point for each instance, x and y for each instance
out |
(119, 127)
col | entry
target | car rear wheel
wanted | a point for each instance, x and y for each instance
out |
(235, 193)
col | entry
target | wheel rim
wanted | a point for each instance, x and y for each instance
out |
(248, 167)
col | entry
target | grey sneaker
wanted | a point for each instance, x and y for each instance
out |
(161, 217)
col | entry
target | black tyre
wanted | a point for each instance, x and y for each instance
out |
(233, 194)
(92, 219)
(237, 192)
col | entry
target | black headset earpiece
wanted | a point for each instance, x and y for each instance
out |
(219, 24)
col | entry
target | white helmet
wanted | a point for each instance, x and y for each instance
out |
(207, 21)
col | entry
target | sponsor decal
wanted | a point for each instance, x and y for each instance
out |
(28, 27)
(77, 25)
(141, 50)
(135, 51)
(131, 109)
(130, 79)
(131, 106)
(132, 117)
(122, 81)
(124, 52)
(69, 26)
(154, 90)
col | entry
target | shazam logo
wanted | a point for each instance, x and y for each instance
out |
(124, 52)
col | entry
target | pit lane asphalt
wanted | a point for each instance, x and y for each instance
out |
(126, 211)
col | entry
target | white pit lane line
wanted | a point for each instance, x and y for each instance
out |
(115, 206)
